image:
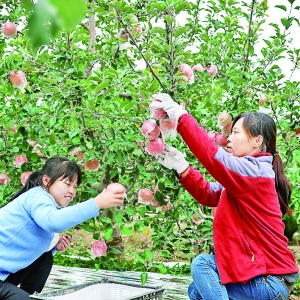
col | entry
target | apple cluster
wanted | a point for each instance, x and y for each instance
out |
(225, 124)
(17, 79)
(136, 32)
(188, 74)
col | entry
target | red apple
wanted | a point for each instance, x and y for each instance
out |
(99, 248)
(224, 119)
(221, 139)
(18, 80)
(226, 130)
(212, 134)
(186, 70)
(166, 207)
(145, 196)
(76, 152)
(116, 187)
(167, 125)
(212, 70)
(155, 146)
(137, 31)
(197, 218)
(154, 203)
(24, 177)
(157, 113)
(262, 101)
(123, 36)
(150, 129)
(198, 68)
(9, 29)
(20, 160)
(4, 179)
(92, 165)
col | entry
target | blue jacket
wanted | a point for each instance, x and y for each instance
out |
(28, 224)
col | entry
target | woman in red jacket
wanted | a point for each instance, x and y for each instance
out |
(252, 259)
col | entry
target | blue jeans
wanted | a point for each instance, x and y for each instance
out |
(206, 284)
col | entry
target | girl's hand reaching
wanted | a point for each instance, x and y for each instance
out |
(112, 196)
(63, 243)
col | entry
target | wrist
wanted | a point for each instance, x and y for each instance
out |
(184, 173)
(179, 114)
(183, 170)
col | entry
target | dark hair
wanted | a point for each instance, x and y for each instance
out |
(256, 124)
(55, 167)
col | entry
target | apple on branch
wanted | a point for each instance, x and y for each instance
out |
(9, 29)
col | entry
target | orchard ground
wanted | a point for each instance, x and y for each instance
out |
(83, 240)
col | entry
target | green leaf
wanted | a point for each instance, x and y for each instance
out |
(87, 227)
(105, 83)
(169, 19)
(283, 7)
(115, 251)
(89, 145)
(129, 210)
(142, 211)
(159, 5)
(113, 173)
(140, 258)
(105, 219)
(118, 217)
(148, 255)
(178, 60)
(43, 24)
(180, 30)
(108, 233)
(144, 277)
(162, 269)
(71, 12)
(159, 30)
(33, 157)
(181, 6)
(126, 231)
(287, 23)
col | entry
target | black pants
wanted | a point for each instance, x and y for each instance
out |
(31, 279)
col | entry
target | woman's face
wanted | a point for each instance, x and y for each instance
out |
(240, 144)
(63, 191)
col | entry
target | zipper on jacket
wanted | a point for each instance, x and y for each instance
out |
(253, 256)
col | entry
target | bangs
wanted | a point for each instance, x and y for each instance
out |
(69, 170)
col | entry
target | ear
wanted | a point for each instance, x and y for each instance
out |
(45, 180)
(258, 141)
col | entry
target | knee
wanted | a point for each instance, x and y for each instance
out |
(199, 261)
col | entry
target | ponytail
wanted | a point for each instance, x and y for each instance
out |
(35, 179)
(282, 185)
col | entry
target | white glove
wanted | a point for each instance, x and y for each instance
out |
(171, 158)
(173, 109)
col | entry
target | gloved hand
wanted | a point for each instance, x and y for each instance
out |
(171, 158)
(173, 109)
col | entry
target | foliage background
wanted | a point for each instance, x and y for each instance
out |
(84, 91)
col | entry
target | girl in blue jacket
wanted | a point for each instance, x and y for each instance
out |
(251, 260)
(33, 217)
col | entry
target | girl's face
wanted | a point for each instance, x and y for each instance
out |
(240, 144)
(63, 190)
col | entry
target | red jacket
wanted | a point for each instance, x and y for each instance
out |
(248, 228)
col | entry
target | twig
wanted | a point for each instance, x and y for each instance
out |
(249, 35)
(141, 53)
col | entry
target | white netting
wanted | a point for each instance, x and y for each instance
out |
(107, 291)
